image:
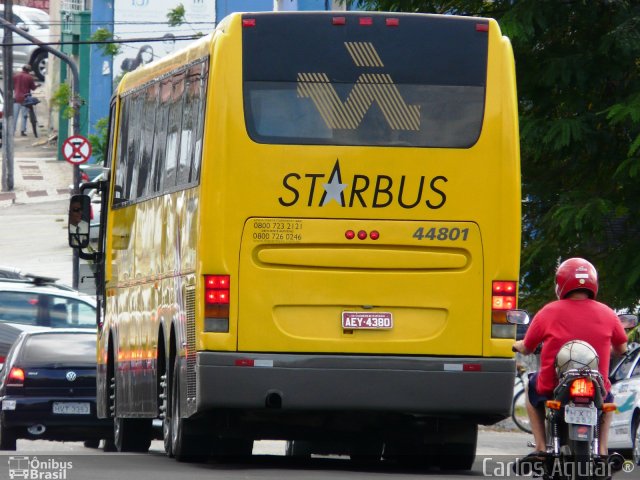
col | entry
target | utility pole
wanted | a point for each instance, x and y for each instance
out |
(8, 28)
(7, 68)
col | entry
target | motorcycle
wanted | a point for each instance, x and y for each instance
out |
(573, 418)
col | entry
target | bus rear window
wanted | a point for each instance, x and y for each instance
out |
(420, 83)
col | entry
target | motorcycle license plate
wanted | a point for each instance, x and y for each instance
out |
(580, 415)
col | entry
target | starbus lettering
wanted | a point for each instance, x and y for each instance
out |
(320, 189)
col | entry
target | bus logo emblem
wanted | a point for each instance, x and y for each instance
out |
(369, 88)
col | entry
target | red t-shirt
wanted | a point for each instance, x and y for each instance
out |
(564, 320)
(22, 84)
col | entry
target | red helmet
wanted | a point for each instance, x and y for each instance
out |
(576, 274)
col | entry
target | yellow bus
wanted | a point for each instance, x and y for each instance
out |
(311, 232)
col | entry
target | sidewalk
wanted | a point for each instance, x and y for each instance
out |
(38, 175)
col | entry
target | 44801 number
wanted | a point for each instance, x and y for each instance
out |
(442, 233)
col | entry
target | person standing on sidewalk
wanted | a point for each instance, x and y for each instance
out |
(23, 84)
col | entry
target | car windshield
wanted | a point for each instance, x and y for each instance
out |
(622, 370)
(45, 310)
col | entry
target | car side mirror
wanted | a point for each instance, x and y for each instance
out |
(79, 218)
(628, 320)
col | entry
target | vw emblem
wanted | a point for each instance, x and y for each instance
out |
(71, 376)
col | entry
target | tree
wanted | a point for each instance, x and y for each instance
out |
(577, 68)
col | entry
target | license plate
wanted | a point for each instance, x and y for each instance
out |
(72, 408)
(367, 320)
(580, 415)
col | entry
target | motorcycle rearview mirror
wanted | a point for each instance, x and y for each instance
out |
(628, 320)
(518, 317)
(79, 218)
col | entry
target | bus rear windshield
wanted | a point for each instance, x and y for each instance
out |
(416, 81)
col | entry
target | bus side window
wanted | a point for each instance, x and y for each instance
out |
(159, 138)
(173, 132)
(121, 154)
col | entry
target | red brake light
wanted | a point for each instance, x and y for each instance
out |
(366, 21)
(338, 21)
(216, 289)
(16, 377)
(482, 27)
(582, 387)
(392, 22)
(217, 281)
(248, 22)
(503, 295)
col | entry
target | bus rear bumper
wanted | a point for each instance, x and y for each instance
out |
(475, 387)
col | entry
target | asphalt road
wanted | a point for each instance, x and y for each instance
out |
(495, 449)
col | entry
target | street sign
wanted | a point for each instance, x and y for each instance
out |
(76, 149)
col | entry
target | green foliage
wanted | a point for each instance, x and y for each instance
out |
(99, 140)
(176, 16)
(104, 35)
(577, 67)
(61, 100)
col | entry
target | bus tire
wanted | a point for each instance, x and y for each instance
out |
(459, 452)
(223, 449)
(185, 445)
(132, 434)
(409, 453)
(129, 434)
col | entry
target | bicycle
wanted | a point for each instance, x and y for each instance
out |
(518, 406)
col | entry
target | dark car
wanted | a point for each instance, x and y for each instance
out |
(48, 389)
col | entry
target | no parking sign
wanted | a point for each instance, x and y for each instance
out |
(76, 149)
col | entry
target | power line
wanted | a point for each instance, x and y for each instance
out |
(99, 42)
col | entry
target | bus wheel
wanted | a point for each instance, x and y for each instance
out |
(129, 434)
(409, 453)
(132, 434)
(165, 411)
(185, 445)
(365, 452)
(224, 449)
(458, 452)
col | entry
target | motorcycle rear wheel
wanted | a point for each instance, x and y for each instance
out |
(581, 465)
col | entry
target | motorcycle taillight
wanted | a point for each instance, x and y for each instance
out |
(582, 388)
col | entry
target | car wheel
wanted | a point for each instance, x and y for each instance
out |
(92, 443)
(7, 438)
(635, 441)
(39, 65)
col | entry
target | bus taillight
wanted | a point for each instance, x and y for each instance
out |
(216, 303)
(503, 298)
(392, 22)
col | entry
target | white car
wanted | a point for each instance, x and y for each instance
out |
(624, 434)
(36, 23)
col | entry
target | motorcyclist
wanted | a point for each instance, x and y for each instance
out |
(576, 315)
